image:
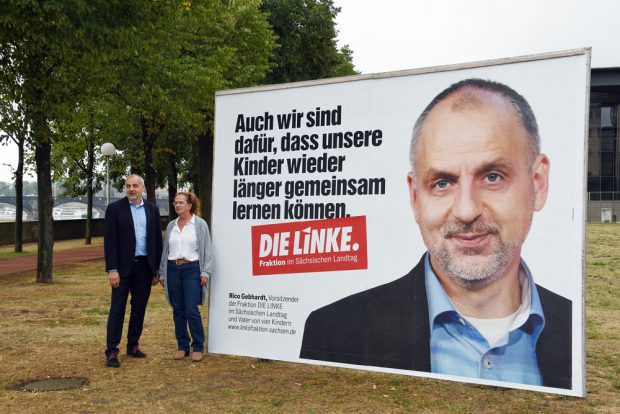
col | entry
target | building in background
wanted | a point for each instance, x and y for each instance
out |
(604, 146)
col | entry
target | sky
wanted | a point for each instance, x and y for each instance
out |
(390, 35)
(406, 34)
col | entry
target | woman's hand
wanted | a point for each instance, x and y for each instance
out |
(204, 280)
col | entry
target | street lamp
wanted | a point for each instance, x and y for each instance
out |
(107, 150)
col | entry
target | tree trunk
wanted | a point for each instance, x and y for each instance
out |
(205, 172)
(173, 184)
(19, 197)
(89, 192)
(45, 204)
(195, 180)
(149, 172)
(148, 142)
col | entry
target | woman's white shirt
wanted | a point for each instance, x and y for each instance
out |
(183, 243)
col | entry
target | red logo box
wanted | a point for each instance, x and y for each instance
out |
(310, 246)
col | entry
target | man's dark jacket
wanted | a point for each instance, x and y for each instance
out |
(119, 237)
(388, 326)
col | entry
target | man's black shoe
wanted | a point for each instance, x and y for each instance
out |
(112, 360)
(136, 353)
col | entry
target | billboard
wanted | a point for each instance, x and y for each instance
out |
(426, 222)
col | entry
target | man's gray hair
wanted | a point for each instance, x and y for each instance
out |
(521, 106)
(139, 178)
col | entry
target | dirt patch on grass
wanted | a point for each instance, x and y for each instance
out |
(64, 257)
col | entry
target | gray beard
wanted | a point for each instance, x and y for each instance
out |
(473, 276)
(468, 275)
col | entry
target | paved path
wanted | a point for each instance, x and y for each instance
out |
(27, 264)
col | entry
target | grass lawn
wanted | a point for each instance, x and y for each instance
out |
(59, 330)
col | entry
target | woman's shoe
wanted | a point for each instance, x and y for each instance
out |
(196, 356)
(181, 354)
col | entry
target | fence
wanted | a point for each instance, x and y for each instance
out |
(63, 230)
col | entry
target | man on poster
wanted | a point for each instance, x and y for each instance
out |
(470, 307)
(133, 246)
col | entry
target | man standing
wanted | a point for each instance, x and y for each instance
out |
(133, 246)
(470, 307)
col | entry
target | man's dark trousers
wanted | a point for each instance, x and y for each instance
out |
(138, 283)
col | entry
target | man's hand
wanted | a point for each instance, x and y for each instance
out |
(204, 280)
(155, 279)
(115, 279)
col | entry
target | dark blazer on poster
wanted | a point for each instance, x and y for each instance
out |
(388, 326)
(119, 238)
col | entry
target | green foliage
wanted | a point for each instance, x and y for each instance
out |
(143, 74)
(167, 78)
(345, 67)
(74, 158)
(53, 57)
(13, 127)
(52, 54)
(306, 41)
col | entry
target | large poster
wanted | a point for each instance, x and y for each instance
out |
(427, 222)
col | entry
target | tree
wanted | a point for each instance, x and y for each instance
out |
(15, 129)
(76, 154)
(74, 163)
(307, 48)
(151, 84)
(175, 152)
(247, 43)
(52, 51)
(169, 79)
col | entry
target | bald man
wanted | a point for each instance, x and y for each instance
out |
(470, 307)
(133, 245)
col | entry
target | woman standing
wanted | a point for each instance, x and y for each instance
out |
(185, 268)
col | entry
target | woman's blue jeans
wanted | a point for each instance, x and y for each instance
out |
(185, 294)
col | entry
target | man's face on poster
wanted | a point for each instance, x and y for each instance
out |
(475, 185)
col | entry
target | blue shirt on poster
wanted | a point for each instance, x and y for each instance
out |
(139, 225)
(458, 348)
